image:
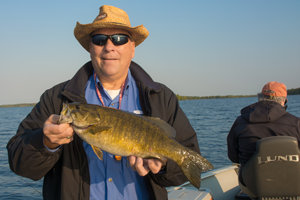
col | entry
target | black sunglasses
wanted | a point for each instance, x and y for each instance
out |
(117, 39)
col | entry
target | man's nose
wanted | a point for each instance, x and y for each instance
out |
(109, 46)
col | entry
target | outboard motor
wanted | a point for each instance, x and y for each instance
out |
(273, 172)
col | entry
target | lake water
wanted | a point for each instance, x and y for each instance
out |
(211, 119)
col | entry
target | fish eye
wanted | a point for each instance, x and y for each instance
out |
(78, 107)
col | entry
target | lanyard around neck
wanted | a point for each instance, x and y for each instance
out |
(118, 158)
(100, 96)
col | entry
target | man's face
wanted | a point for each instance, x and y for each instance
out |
(111, 62)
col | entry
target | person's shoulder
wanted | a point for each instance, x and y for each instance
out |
(165, 88)
(59, 86)
(240, 121)
(56, 89)
(291, 117)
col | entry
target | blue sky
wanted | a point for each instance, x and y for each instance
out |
(196, 48)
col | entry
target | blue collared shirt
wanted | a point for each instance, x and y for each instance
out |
(112, 179)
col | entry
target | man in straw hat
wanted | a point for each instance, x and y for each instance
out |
(71, 170)
(268, 117)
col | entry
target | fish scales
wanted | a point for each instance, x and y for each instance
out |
(122, 133)
(131, 140)
(142, 137)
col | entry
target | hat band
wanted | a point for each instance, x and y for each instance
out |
(117, 23)
(269, 91)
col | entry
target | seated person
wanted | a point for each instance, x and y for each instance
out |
(268, 117)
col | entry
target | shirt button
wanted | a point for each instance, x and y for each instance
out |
(128, 165)
(110, 179)
(112, 104)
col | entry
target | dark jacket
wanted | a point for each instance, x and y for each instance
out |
(66, 172)
(260, 120)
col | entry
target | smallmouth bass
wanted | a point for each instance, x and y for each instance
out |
(123, 133)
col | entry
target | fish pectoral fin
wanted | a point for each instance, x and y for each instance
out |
(98, 152)
(97, 129)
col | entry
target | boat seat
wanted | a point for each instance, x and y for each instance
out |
(273, 172)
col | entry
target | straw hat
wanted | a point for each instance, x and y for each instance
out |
(109, 17)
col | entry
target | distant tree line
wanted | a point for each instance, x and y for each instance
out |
(290, 92)
(18, 105)
(293, 91)
(211, 97)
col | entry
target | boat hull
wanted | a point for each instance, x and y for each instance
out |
(221, 184)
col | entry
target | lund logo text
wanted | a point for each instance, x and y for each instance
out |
(290, 158)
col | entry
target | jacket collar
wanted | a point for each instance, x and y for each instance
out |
(141, 76)
(75, 88)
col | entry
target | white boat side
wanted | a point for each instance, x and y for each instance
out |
(221, 184)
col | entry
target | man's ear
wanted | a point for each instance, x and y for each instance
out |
(133, 49)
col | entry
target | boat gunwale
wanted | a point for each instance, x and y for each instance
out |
(210, 174)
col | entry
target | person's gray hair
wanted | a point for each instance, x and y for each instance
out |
(262, 97)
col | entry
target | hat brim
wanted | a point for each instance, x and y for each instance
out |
(82, 32)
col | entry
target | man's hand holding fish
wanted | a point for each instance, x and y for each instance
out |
(56, 134)
(144, 166)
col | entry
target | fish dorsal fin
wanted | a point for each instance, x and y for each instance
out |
(98, 128)
(98, 152)
(169, 130)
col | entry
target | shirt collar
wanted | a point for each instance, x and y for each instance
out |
(127, 81)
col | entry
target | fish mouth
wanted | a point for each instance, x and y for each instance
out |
(84, 127)
(64, 119)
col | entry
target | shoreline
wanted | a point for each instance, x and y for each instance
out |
(18, 105)
(179, 97)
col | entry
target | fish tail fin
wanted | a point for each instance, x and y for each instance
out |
(192, 166)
